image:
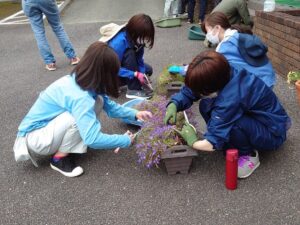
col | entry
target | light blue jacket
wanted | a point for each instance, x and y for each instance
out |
(65, 95)
(230, 49)
(120, 43)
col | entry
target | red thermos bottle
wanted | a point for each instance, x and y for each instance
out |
(231, 169)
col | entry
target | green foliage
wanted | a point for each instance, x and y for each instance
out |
(293, 76)
(166, 78)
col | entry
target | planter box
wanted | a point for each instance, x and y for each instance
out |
(280, 31)
(178, 159)
(174, 87)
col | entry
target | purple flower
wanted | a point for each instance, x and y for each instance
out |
(155, 137)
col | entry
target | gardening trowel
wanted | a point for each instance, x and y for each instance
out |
(188, 122)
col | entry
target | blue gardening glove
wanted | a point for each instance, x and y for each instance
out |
(189, 134)
(178, 69)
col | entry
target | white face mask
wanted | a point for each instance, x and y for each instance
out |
(214, 39)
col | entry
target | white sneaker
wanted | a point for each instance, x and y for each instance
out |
(247, 164)
(131, 94)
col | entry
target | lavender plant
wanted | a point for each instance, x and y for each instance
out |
(155, 137)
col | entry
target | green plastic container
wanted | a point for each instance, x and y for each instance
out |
(168, 22)
(196, 33)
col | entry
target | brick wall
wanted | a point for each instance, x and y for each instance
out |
(280, 31)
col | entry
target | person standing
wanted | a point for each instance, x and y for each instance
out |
(191, 8)
(34, 10)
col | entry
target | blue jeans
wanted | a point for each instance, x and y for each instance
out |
(191, 8)
(34, 10)
(183, 6)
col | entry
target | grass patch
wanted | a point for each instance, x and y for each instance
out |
(295, 3)
(164, 79)
(9, 8)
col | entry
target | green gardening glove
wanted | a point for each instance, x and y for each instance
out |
(188, 133)
(170, 117)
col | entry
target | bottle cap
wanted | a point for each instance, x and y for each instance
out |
(231, 154)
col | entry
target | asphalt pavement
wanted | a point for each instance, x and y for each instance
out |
(114, 188)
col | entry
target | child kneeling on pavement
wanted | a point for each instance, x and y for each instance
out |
(129, 42)
(240, 110)
(64, 118)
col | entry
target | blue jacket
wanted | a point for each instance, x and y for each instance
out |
(65, 95)
(120, 43)
(231, 49)
(244, 94)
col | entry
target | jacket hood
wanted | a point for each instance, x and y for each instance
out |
(253, 50)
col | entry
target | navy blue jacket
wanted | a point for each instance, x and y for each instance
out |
(120, 43)
(244, 94)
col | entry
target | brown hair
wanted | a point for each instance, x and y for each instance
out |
(207, 73)
(140, 27)
(219, 18)
(98, 70)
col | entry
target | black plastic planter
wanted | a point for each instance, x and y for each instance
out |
(178, 159)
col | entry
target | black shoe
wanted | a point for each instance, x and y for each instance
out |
(67, 167)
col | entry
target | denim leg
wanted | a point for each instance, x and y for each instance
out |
(148, 69)
(129, 62)
(35, 16)
(191, 7)
(183, 6)
(175, 6)
(167, 8)
(202, 9)
(51, 12)
(248, 134)
(239, 140)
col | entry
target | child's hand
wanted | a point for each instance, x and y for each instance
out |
(131, 136)
(143, 115)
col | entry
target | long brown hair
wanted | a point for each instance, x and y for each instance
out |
(207, 73)
(219, 18)
(141, 28)
(98, 70)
